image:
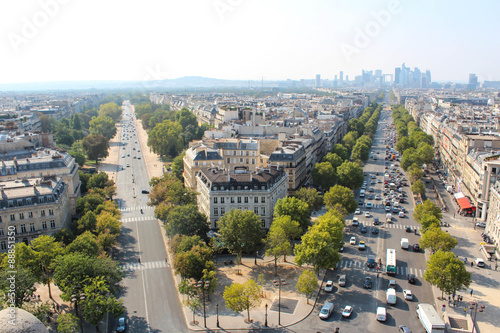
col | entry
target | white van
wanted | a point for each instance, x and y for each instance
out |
(326, 311)
(381, 313)
(405, 243)
(391, 296)
(362, 193)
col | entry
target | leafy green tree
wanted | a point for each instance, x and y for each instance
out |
(312, 197)
(98, 301)
(178, 166)
(78, 156)
(85, 243)
(307, 284)
(190, 265)
(67, 323)
(24, 282)
(240, 231)
(186, 220)
(429, 220)
(87, 222)
(418, 187)
(402, 144)
(360, 152)
(350, 175)
(171, 190)
(341, 151)
(193, 304)
(334, 224)
(165, 138)
(349, 140)
(318, 248)
(290, 227)
(277, 244)
(447, 272)
(104, 126)
(95, 147)
(426, 153)
(436, 239)
(415, 173)
(45, 124)
(84, 178)
(296, 208)
(340, 195)
(427, 207)
(99, 180)
(183, 243)
(71, 271)
(111, 109)
(185, 118)
(334, 159)
(240, 297)
(323, 175)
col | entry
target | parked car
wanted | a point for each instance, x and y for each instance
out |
(326, 311)
(404, 329)
(481, 224)
(416, 247)
(412, 279)
(329, 286)
(408, 295)
(347, 311)
(342, 280)
(352, 241)
(479, 262)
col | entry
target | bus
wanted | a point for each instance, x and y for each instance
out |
(390, 266)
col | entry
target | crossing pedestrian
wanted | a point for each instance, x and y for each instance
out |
(471, 291)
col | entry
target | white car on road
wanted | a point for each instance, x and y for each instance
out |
(352, 241)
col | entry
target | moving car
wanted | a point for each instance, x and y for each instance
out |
(361, 246)
(367, 214)
(347, 311)
(368, 204)
(145, 192)
(357, 212)
(404, 329)
(416, 247)
(329, 286)
(375, 231)
(352, 241)
(375, 220)
(381, 313)
(368, 283)
(479, 262)
(342, 280)
(122, 325)
(481, 224)
(392, 284)
(408, 295)
(412, 279)
(355, 222)
(363, 229)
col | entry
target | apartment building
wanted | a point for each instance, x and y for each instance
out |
(199, 156)
(292, 157)
(220, 190)
(493, 221)
(32, 207)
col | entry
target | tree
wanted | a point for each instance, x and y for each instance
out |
(426, 153)
(312, 197)
(349, 140)
(165, 138)
(333, 223)
(318, 248)
(45, 124)
(72, 271)
(340, 195)
(402, 144)
(86, 243)
(341, 151)
(183, 243)
(418, 188)
(415, 173)
(185, 118)
(427, 207)
(67, 323)
(99, 180)
(104, 126)
(334, 159)
(24, 285)
(323, 175)
(307, 284)
(241, 297)
(190, 264)
(277, 244)
(296, 208)
(428, 220)
(78, 156)
(98, 301)
(240, 231)
(178, 166)
(171, 190)
(186, 220)
(447, 272)
(193, 304)
(350, 175)
(361, 152)
(436, 239)
(110, 109)
(95, 146)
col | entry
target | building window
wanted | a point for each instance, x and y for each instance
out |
(12, 217)
(0, 219)
(229, 160)
(52, 224)
(232, 200)
(32, 227)
(21, 216)
(263, 211)
(3, 245)
(30, 215)
(51, 212)
(256, 210)
(11, 203)
(255, 199)
(41, 200)
(1, 232)
(44, 225)
(42, 213)
(246, 199)
(222, 211)
(239, 199)
(263, 223)
(263, 199)
(216, 211)
(253, 160)
(23, 228)
(215, 200)
(222, 200)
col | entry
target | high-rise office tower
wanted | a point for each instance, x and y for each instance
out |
(318, 80)
(397, 74)
(472, 81)
(341, 76)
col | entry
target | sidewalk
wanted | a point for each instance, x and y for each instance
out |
(485, 284)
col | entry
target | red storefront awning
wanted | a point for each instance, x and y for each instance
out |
(464, 203)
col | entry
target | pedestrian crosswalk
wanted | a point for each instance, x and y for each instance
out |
(390, 225)
(128, 209)
(144, 265)
(400, 270)
(138, 218)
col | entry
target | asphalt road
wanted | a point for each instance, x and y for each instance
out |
(149, 294)
(353, 264)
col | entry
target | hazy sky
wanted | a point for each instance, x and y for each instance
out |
(55, 40)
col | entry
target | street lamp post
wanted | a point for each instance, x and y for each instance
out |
(474, 306)
(79, 296)
(279, 302)
(217, 308)
(203, 285)
(265, 323)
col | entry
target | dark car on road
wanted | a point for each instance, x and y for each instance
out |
(411, 278)
(363, 229)
(368, 283)
(416, 247)
(145, 192)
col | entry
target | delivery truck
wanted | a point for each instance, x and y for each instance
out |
(430, 318)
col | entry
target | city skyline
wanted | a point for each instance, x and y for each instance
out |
(56, 40)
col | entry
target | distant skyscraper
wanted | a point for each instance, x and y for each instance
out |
(347, 78)
(341, 76)
(318, 80)
(428, 76)
(472, 81)
(397, 74)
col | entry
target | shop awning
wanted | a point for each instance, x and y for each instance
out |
(464, 203)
